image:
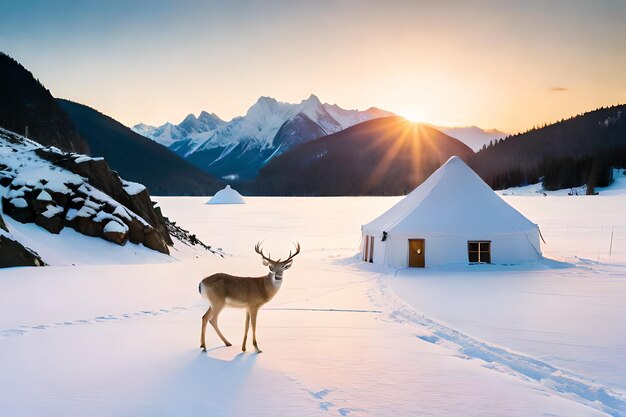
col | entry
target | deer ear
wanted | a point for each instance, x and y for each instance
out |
(265, 263)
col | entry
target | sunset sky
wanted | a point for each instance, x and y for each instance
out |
(496, 64)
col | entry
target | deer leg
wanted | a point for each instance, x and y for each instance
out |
(205, 320)
(213, 321)
(245, 332)
(253, 314)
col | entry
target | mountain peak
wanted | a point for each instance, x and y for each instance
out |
(204, 115)
(263, 105)
(311, 104)
(312, 99)
(266, 100)
(190, 118)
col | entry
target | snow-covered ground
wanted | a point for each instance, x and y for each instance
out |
(341, 337)
(618, 187)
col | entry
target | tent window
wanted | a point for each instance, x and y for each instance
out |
(479, 251)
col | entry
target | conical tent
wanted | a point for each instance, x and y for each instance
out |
(227, 195)
(448, 219)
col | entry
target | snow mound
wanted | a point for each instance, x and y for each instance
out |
(227, 196)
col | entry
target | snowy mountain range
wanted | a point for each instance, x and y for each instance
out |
(238, 148)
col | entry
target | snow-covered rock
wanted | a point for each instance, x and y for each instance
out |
(114, 226)
(133, 188)
(227, 196)
(53, 190)
(116, 232)
(19, 202)
(44, 196)
(13, 253)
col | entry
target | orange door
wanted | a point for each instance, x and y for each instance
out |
(417, 257)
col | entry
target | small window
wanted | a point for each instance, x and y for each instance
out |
(479, 252)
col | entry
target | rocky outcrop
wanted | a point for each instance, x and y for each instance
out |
(54, 189)
(13, 253)
(131, 195)
(189, 239)
(85, 209)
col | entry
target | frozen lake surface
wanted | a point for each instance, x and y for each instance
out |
(341, 337)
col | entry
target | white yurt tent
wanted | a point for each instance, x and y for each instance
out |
(451, 218)
(227, 196)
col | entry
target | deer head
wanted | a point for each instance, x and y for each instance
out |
(278, 266)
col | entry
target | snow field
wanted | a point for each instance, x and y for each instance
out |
(123, 340)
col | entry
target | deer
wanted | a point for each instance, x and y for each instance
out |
(250, 293)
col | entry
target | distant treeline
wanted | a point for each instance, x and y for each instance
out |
(580, 150)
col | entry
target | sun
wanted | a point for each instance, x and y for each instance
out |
(412, 116)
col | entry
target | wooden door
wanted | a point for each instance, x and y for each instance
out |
(417, 258)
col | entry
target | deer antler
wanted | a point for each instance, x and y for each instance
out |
(257, 249)
(294, 255)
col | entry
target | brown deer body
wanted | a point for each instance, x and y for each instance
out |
(251, 293)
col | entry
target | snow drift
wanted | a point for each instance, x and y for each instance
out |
(227, 196)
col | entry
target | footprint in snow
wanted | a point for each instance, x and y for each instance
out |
(321, 394)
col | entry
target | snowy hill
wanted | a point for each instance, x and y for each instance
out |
(227, 196)
(238, 148)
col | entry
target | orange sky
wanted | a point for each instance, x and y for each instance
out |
(496, 64)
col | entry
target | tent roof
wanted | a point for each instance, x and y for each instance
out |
(227, 195)
(453, 200)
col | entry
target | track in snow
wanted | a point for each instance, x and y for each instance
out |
(22, 330)
(608, 400)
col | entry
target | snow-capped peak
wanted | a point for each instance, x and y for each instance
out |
(258, 126)
(190, 118)
(206, 116)
(349, 118)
